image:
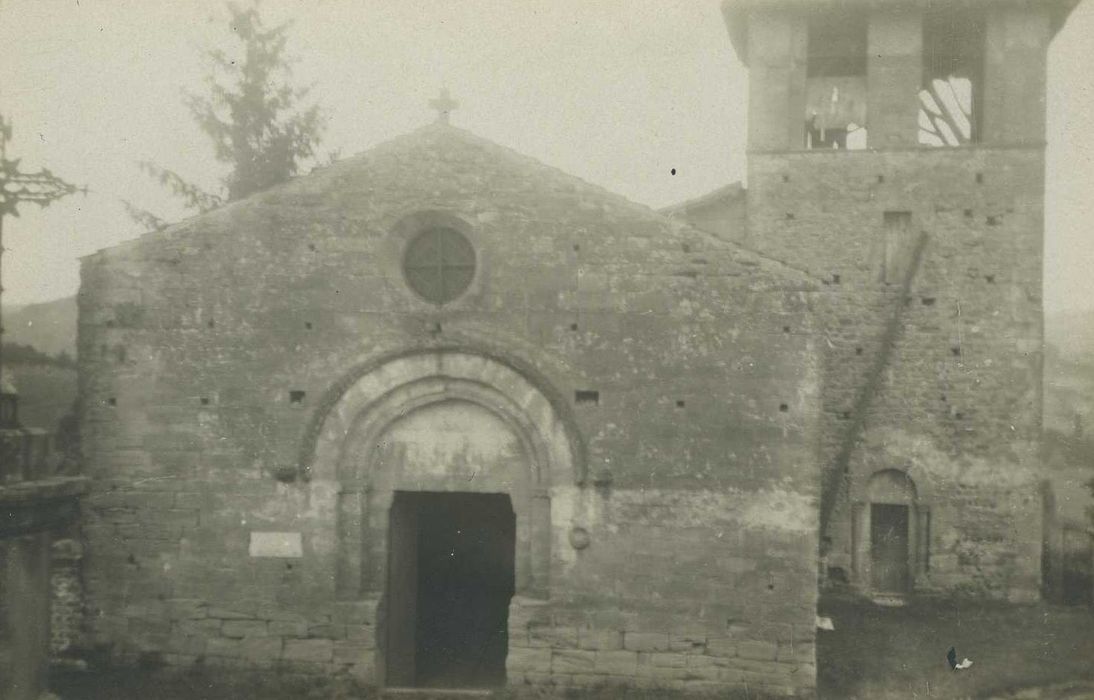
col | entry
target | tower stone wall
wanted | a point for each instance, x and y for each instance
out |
(930, 255)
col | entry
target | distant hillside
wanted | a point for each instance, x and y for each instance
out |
(1069, 371)
(1072, 333)
(35, 334)
(49, 327)
(46, 393)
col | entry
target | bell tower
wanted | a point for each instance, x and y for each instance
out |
(896, 152)
(891, 102)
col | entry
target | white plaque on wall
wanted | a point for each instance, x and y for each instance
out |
(276, 544)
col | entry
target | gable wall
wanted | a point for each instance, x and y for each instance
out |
(191, 341)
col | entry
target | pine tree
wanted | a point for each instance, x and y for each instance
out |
(253, 115)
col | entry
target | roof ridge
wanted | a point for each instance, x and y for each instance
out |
(532, 160)
(735, 187)
(675, 227)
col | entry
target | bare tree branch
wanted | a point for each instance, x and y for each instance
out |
(145, 218)
(193, 196)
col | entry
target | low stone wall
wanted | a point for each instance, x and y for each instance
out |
(24, 615)
(30, 511)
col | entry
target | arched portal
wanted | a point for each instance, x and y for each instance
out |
(891, 486)
(890, 533)
(426, 448)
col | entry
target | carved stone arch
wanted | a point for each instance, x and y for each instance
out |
(346, 399)
(355, 467)
(351, 466)
(891, 486)
(895, 491)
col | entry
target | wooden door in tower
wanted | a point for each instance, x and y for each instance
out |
(889, 547)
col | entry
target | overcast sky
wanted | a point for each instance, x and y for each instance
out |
(618, 92)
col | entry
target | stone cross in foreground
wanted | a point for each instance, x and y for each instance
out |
(444, 104)
(18, 187)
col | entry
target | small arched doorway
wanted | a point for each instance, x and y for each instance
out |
(890, 532)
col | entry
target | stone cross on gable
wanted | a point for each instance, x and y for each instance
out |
(444, 104)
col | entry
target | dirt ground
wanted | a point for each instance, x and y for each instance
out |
(198, 684)
(877, 652)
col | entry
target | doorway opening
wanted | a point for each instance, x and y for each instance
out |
(450, 581)
(1078, 572)
(889, 553)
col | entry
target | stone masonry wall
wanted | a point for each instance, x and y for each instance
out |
(736, 616)
(685, 371)
(958, 404)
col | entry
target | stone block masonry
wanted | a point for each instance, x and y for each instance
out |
(337, 639)
(645, 395)
(958, 403)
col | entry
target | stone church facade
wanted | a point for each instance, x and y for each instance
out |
(440, 415)
(280, 393)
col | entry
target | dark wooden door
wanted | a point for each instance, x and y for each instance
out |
(889, 547)
(465, 582)
(1078, 574)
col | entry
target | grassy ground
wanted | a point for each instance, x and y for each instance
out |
(878, 652)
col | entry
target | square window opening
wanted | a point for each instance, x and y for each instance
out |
(896, 246)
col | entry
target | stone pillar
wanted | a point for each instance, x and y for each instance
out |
(776, 95)
(1015, 63)
(66, 587)
(894, 75)
(33, 504)
(540, 545)
(351, 542)
(24, 615)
